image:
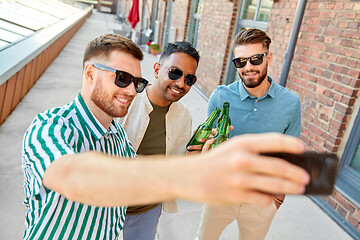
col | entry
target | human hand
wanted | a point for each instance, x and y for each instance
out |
(207, 142)
(234, 172)
(210, 141)
(196, 149)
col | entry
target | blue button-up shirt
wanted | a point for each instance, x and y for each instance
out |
(277, 111)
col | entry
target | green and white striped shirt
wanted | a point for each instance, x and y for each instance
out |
(67, 130)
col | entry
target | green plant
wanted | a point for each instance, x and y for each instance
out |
(154, 46)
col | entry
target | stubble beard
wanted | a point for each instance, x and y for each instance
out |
(104, 102)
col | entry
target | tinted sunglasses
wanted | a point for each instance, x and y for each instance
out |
(124, 79)
(254, 60)
(176, 73)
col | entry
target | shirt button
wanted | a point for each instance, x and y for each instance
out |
(255, 109)
(256, 100)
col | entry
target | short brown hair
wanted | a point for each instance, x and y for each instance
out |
(108, 42)
(251, 36)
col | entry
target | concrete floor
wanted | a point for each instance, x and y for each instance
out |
(298, 218)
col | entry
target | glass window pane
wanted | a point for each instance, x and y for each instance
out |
(264, 12)
(15, 28)
(198, 6)
(194, 30)
(9, 36)
(233, 74)
(355, 162)
(195, 21)
(248, 9)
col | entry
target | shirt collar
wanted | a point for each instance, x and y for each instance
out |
(271, 91)
(96, 128)
(244, 94)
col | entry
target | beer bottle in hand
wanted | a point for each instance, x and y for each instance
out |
(204, 129)
(221, 132)
(225, 112)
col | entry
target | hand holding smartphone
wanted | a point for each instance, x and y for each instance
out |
(322, 167)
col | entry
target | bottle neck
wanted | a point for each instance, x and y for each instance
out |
(213, 116)
(225, 110)
(223, 126)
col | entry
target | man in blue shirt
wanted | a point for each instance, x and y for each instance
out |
(257, 105)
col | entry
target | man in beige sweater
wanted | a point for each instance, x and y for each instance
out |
(158, 123)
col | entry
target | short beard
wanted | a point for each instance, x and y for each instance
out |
(102, 101)
(253, 84)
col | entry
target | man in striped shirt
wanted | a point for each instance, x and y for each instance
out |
(77, 171)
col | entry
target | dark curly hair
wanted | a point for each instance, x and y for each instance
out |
(183, 46)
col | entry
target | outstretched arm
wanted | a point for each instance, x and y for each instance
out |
(232, 173)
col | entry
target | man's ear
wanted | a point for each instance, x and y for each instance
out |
(156, 69)
(269, 56)
(89, 73)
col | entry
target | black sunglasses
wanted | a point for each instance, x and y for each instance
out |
(124, 79)
(176, 73)
(254, 60)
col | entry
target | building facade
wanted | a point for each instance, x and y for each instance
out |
(325, 71)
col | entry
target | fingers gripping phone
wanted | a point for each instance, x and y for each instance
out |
(322, 167)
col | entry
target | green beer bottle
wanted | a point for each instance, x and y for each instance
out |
(203, 131)
(221, 132)
(225, 112)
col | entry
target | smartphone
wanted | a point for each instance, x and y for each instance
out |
(322, 167)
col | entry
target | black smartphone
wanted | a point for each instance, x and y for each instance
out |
(322, 167)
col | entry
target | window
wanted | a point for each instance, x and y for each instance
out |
(257, 10)
(167, 23)
(355, 162)
(253, 14)
(348, 181)
(196, 7)
(154, 16)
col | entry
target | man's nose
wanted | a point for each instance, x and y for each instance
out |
(181, 81)
(130, 90)
(248, 65)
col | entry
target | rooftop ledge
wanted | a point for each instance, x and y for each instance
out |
(18, 55)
